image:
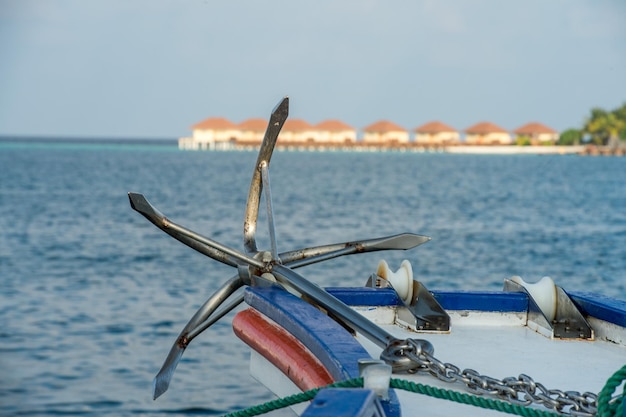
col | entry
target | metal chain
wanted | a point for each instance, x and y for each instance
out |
(411, 356)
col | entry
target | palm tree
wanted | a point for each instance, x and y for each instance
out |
(605, 127)
(620, 112)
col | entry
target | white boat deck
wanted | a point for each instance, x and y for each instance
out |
(499, 345)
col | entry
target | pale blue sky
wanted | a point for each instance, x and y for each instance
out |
(151, 68)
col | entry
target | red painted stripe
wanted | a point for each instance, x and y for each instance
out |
(283, 350)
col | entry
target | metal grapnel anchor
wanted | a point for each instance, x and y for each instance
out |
(252, 264)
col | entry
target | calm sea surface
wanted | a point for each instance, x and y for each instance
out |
(92, 295)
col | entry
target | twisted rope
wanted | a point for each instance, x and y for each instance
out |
(608, 406)
(398, 384)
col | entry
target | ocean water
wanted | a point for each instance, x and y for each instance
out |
(92, 295)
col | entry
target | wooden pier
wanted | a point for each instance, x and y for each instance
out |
(594, 150)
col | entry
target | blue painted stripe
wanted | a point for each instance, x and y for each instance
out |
(449, 300)
(496, 301)
(366, 296)
(601, 307)
(594, 305)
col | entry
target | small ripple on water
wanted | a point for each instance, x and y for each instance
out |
(70, 409)
(119, 328)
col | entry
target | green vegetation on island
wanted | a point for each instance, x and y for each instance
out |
(601, 128)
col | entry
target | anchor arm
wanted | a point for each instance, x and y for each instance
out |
(308, 256)
(190, 331)
(190, 238)
(277, 120)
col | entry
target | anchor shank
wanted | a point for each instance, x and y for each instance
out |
(352, 318)
(265, 175)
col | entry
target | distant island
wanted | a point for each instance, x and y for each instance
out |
(604, 132)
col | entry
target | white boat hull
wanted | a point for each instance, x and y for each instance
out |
(498, 344)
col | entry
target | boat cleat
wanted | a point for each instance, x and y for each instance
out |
(421, 311)
(551, 312)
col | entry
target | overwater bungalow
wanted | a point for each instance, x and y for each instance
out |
(539, 134)
(335, 132)
(211, 133)
(436, 134)
(487, 133)
(385, 132)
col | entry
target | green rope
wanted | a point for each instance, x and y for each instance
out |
(398, 384)
(293, 399)
(607, 405)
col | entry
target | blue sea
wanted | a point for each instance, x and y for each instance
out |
(92, 295)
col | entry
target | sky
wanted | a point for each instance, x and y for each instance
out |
(153, 68)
